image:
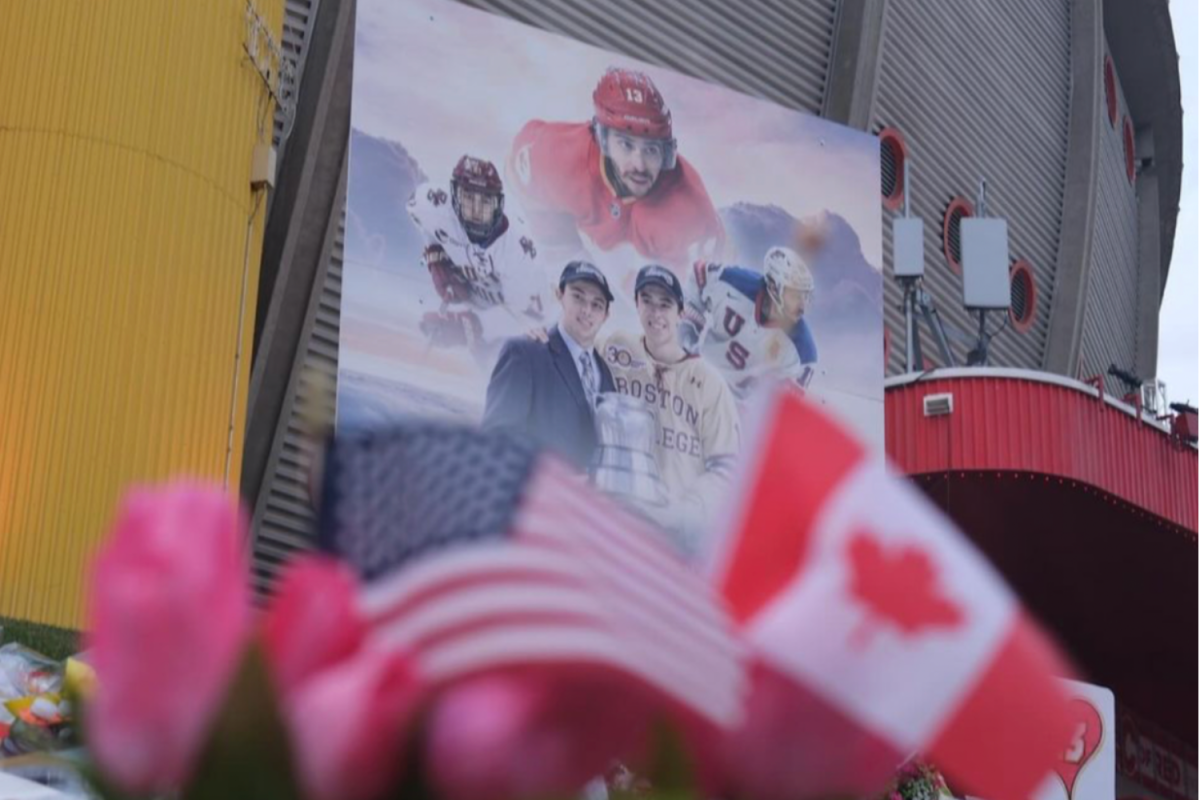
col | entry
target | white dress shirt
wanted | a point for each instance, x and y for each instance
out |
(576, 350)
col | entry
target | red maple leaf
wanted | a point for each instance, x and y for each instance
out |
(899, 586)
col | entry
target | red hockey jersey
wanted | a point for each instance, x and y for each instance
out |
(557, 171)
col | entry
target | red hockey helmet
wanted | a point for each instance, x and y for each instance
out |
(480, 176)
(627, 100)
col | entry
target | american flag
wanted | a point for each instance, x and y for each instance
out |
(484, 553)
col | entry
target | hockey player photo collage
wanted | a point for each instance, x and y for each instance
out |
(602, 255)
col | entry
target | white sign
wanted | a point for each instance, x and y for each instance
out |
(1087, 769)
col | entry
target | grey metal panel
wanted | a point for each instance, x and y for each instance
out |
(300, 302)
(775, 49)
(980, 89)
(1110, 313)
(297, 22)
(283, 519)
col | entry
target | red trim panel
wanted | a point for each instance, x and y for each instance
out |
(1021, 270)
(1015, 425)
(1110, 90)
(892, 138)
(1130, 170)
(962, 205)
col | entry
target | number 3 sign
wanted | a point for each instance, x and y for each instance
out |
(1089, 732)
(1087, 769)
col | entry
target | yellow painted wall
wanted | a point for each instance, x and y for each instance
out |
(129, 250)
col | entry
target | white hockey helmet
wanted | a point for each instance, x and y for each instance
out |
(784, 268)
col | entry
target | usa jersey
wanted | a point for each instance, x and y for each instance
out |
(735, 338)
(505, 283)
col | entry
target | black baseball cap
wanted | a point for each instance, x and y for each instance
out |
(585, 271)
(658, 275)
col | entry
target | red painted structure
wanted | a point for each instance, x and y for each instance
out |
(1088, 508)
(1013, 420)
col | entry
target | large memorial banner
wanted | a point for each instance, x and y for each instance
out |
(600, 254)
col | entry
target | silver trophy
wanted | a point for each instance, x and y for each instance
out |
(624, 465)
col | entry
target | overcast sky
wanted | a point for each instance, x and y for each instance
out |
(1179, 334)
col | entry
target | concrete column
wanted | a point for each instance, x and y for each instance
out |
(854, 63)
(1149, 266)
(1069, 294)
(300, 236)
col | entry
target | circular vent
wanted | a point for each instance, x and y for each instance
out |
(958, 209)
(1023, 296)
(1129, 163)
(892, 154)
(1110, 90)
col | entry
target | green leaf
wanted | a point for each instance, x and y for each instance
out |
(671, 773)
(248, 754)
(414, 783)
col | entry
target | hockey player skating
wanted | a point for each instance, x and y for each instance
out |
(615, 187)
(698, 430)
(750, 325)
(482, 261)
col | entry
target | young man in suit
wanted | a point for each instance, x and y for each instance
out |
(547, 389)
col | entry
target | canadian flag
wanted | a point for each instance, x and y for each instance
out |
(878, 630)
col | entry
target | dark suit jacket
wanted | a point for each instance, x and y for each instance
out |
(535, 391)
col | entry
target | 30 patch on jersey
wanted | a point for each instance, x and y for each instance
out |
(623, 357)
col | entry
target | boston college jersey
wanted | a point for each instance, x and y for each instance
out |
(557, 171)
(735, 340)
(505, 283)
(698, 428)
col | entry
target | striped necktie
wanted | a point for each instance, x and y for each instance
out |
(588, 374)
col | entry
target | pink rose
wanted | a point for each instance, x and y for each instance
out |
(169, 613)
(348, 704)
(524, 734)
(314, 621)
(348, 725)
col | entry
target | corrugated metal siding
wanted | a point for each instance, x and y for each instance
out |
(979, 90)
(297, 21)
(129, 243)
(1006, 424)
(1110, 314)
(283, 519)
(775, 49)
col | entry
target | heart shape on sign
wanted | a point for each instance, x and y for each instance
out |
(1088, 730)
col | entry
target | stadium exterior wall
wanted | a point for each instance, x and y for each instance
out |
(1012, 92)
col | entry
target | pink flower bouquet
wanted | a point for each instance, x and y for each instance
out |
(196, 694)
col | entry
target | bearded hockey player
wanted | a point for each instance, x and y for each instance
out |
(616, 186)
(481, 261)
(698, 431)
(751, 325)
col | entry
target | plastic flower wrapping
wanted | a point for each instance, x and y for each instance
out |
(520, 636)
